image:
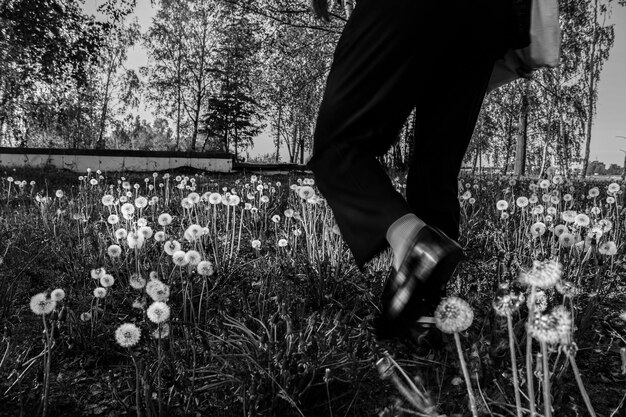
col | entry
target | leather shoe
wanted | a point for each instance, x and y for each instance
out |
(416, 288)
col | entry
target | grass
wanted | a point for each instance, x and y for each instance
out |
(285, 328)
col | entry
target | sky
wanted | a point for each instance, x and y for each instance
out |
(609, 123)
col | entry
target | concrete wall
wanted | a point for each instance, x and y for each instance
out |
(132, 161)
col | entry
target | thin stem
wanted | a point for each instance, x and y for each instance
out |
(547, 404)
(581, 387)
(468, 382)
(529, 357)
(518, 401)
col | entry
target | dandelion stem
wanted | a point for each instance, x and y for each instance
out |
(581, 387)
(466, 375)
(529, 357)
(547, 405)
(518, 401)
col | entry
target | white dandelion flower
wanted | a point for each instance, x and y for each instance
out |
(99, 292)
(543, 274)
(608, 248)
(165, 219)
(160, 236)
(193, 257)
(215, 198)
(141, 202)
(135, 240)
(538, 229)
(157, 290)
(121, 234)
(145, 231)
(127, 335)
(97, 273)
(306, 192)
(568, 216)
(179, 258)
(57, 294)
(171, 246)
(582, 220)
(107, 280)
(453, 315)
(158, 312)
(41, 305)
(136, 281)
(613, 188)
(594, 192)
(205, 268)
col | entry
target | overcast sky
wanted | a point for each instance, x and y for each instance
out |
(610, 120)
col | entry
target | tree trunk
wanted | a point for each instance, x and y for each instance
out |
(294, 143)
(509, 143)
(179, 98)
(522, 134)
(592, 78)
(280, 112)
(105, 107)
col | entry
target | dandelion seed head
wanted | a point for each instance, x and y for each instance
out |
(57, 295)
(157, 290)
(453, 315)
(538, 229)
(121, 234)
(567, 240)
(508, 304)
(306, 192)
(99, 292)
(141, 202)
(171, 246)
(613, 188)
(256, 244)
(107, 280)
(135, 240)
(543, 327)
(136, 281)
(41, 305)
(158, 312)
(165, 219)
(127, 335)
(522, 202)
(581, 220)
(543, 274)
(193, 257)
(179, 258)
(608, 248)
(97, 273)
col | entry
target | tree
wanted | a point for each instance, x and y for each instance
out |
(233, 111)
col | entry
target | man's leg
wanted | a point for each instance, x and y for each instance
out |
(369, 93)
(447, 110)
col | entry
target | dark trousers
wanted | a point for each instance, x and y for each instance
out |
(394, 55)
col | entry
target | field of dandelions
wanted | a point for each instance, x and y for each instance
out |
(191, 294)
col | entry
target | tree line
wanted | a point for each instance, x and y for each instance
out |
(220, 72)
